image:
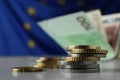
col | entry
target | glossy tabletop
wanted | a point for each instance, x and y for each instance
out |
(110, 70)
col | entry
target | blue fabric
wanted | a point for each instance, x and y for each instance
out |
(13, 14)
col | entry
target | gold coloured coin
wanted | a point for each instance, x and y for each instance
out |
(42, 65)
(88, 51)
(43, 58)
(82, 47)
(81, 58)
(46, 62)
(88, 55)
(26, 69)
(48, 58)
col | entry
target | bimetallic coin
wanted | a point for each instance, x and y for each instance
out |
(80, 66)
(88, 55)
(81, 70)
(76, 62)
(82, 47)
(81, 58)
(80, 51)
(26, 69)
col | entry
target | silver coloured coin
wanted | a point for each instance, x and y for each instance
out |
(88, 55)
(95, 70)
(76, 62)
(80, 66)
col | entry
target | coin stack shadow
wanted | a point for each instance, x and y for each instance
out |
(82, 59)
(46, 62)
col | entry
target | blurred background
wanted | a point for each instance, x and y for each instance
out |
(20, 35)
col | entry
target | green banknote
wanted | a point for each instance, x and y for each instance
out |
(76, 29)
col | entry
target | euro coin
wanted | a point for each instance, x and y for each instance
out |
(42, 65)
(76, 62)
(81, 58)
(95, 70)
(88, 55)
(88, 51)
(82, 47)
(80, 66)
(46, 62)
(48, 58)
(26, 69)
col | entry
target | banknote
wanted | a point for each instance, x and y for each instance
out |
(112, 27)
(118, 45)
(96, 17)
(75, 29)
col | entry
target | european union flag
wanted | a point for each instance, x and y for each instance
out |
(19, 32)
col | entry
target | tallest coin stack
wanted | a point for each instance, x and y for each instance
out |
(82, 59)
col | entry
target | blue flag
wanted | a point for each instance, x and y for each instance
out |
(20, 34)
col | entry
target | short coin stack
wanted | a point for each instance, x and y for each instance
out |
(47, 62)
(41, 63)
(82, 59)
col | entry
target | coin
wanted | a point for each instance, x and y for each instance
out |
(80, 66)
(26, 69)
(42, 65)
(76, 62)
(46, 62)
(48, 58)
(88, 55)
(81, 58)
(81, 70)
(88, 51)
(82, 47)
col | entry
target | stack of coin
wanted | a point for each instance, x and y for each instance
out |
(47, 62)
(41, 63)
(82, 59)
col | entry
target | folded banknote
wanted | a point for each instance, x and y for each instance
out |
(96, 17)
(76, 29)
(111, 23)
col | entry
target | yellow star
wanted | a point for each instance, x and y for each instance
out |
(27, 26)
(62, 2)
(31, 11)
(31, 43)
